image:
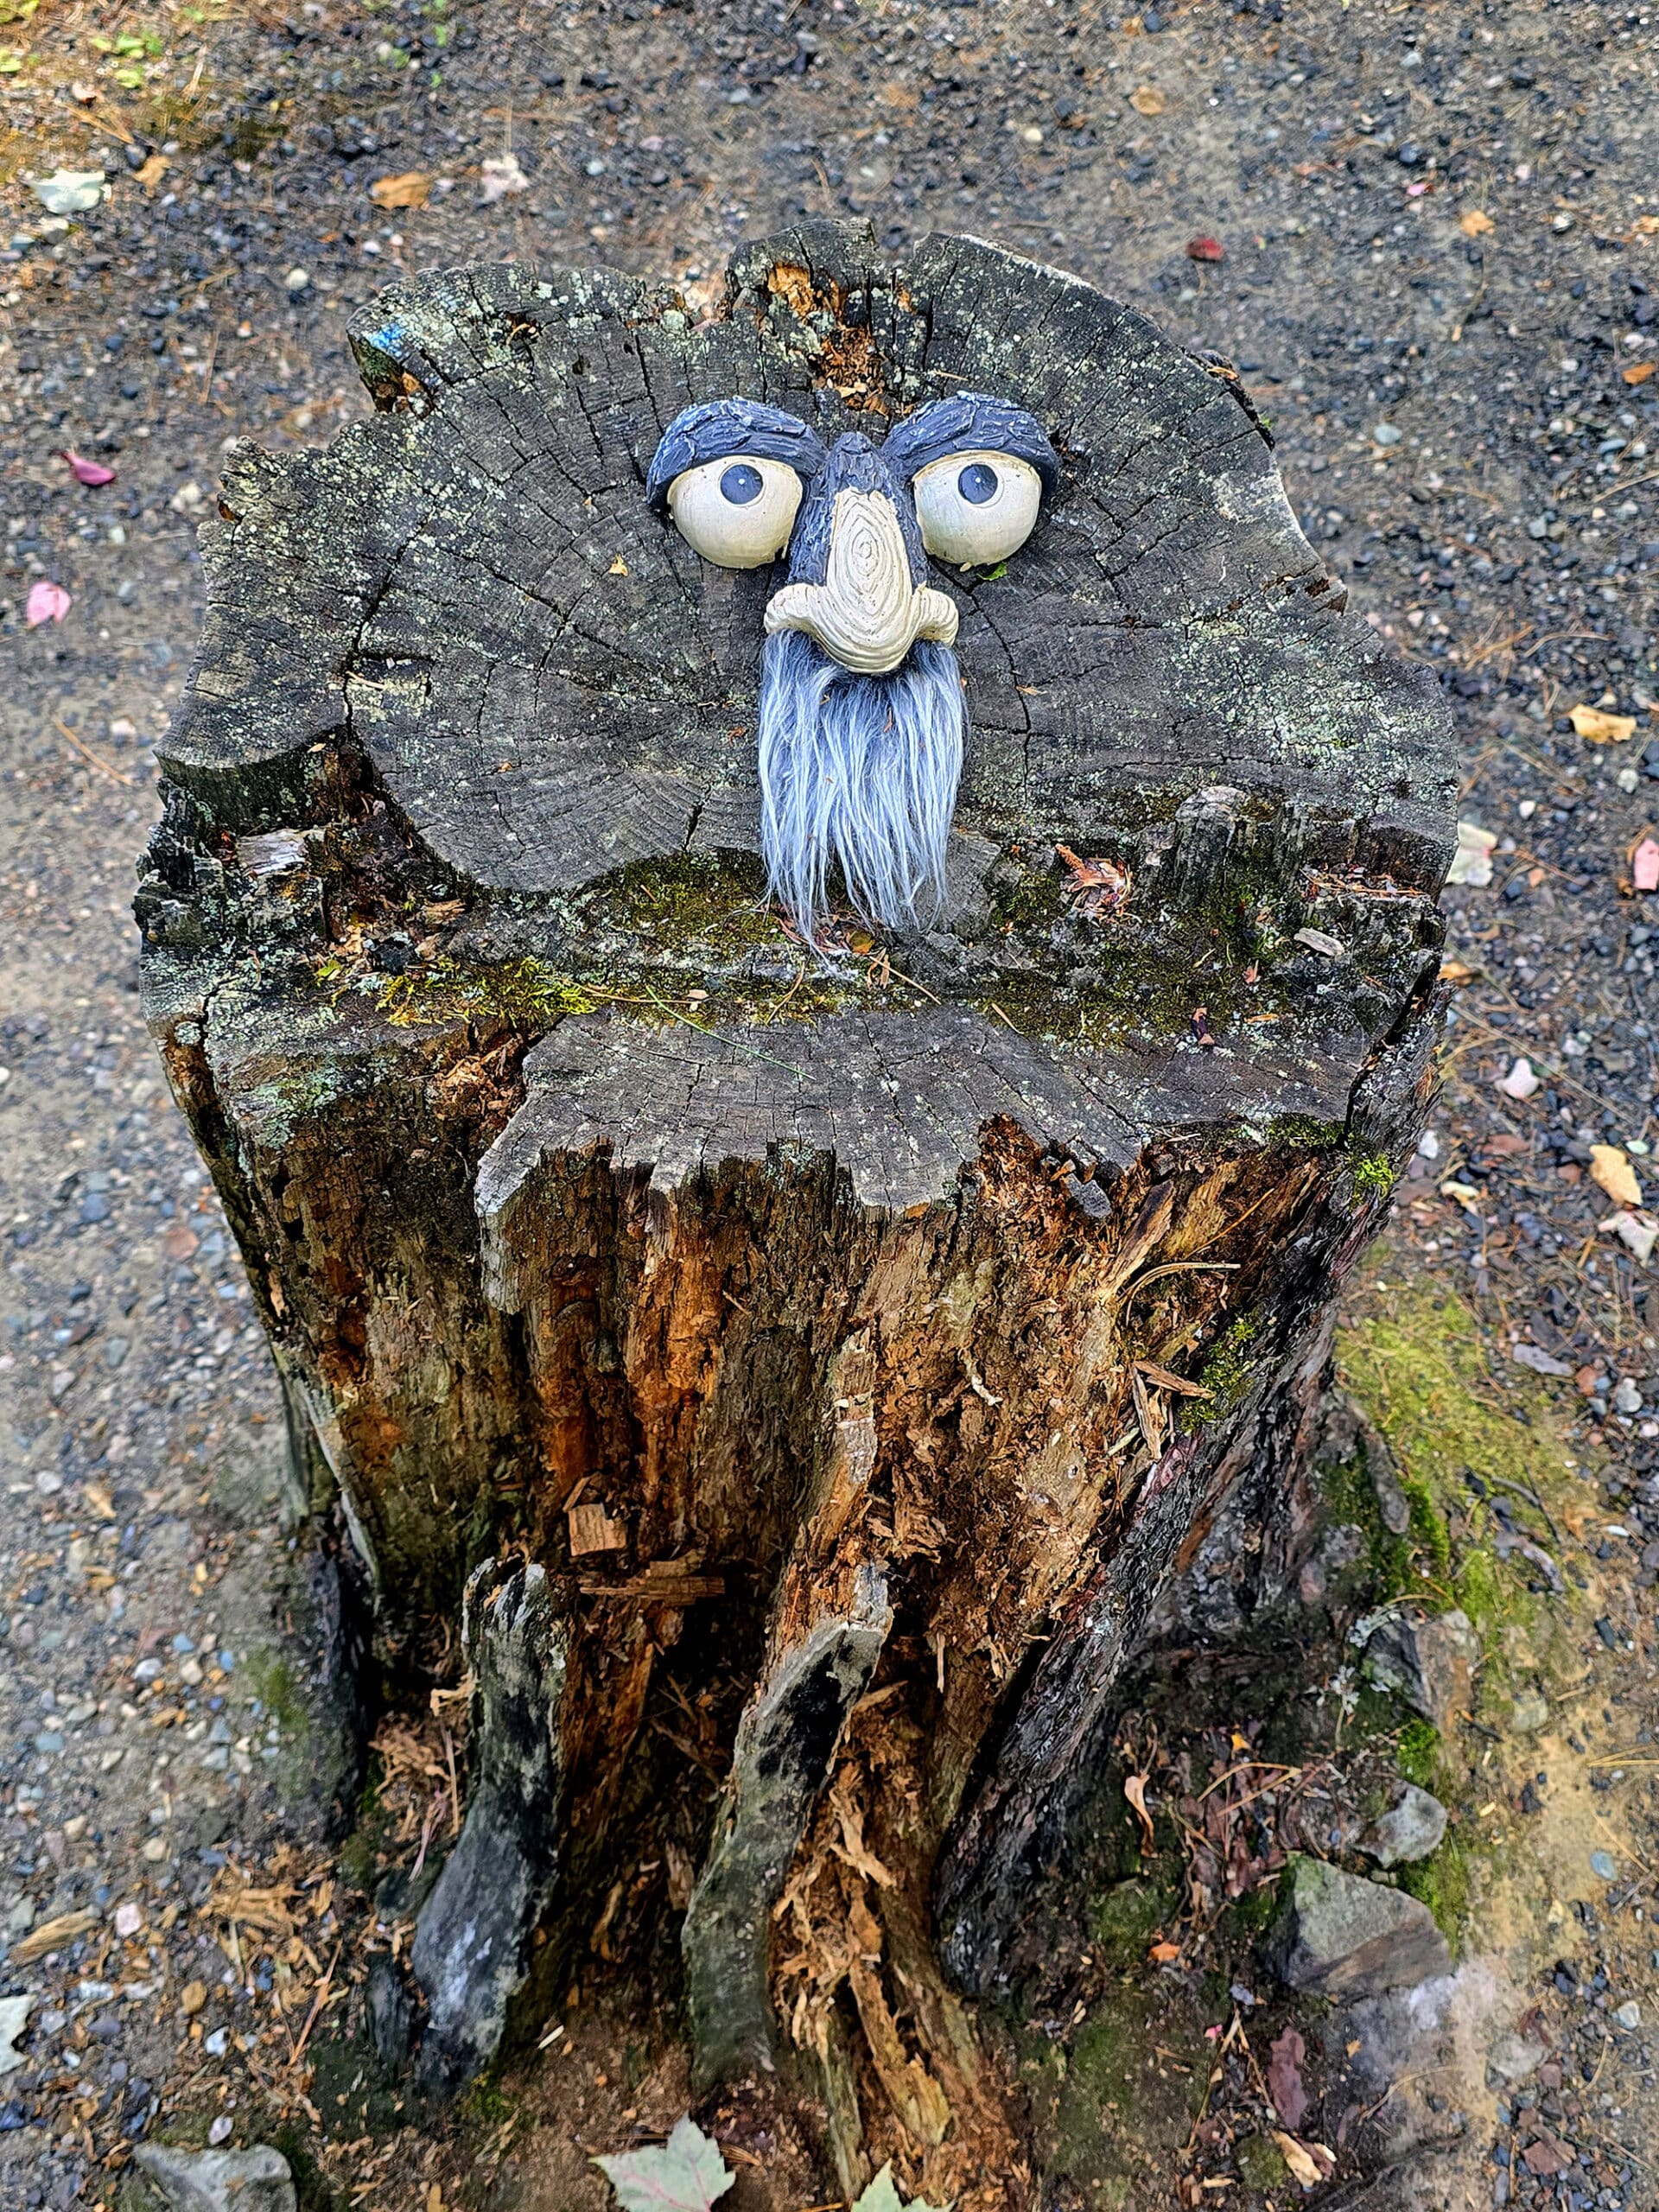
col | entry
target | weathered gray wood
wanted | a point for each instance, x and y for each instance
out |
(780, 1761)
(472, 1933)
(833, 1268)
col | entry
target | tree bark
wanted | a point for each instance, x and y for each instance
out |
(820, 1368)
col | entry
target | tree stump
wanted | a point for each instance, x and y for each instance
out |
(811, 1368)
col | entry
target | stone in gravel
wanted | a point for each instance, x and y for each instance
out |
(1410, 1830)
(1630, 2015)
(255, 2180)
(1529, 1712)
(1428, 1659)
(14, 2017)
(1340, 1936)
(1514, 2059)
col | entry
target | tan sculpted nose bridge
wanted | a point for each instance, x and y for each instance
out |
(866, 613)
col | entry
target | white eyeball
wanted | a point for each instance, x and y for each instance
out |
(976, 508)
(737, 512)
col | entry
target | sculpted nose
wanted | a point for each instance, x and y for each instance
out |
(867, 611)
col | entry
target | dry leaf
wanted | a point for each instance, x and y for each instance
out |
(1097, 887)
(1285, 2085)
(51, 1936)
(1639, 371)
(1456, 971)
(1471, 862)
(1644, 866)
(1135, 1789)
(1475, 224)
(1638, 1232)
(1609, 1167)
(411, 189)
(1601, 729)
(87, 471)
(1465, 1194)
(150, 171)
(499, 177)
(1310, 2163)
(1164, 1954)
(46, 602)
(1147, 99)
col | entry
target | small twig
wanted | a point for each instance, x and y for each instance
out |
(1182, 1267)
(1003, 1017)
(317, 2002)
(88, 755)
(455, 1787)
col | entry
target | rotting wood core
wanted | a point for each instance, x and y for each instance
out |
(820, 1368)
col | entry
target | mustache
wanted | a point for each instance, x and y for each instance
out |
(858, 772)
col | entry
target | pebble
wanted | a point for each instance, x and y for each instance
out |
(1387, 434)
(297, 279)
(1602, 1863)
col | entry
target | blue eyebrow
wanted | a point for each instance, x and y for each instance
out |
(726, 429)
(966, 421)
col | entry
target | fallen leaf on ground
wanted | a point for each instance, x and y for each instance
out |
(1456, 971)
(1644, 866)
(1475, 224)
(1309, 2162)
(1163, 1955)
(46, 603)
(1638, 1232)
(70, 192)
(50, 1935)
(84, 471)
(882, 2196)
(1465, 1195)
(1135, 1789)
(1206, 250)
(1602, 729)
(152, 170)
(1147, 99)
(1472, 863)
(1284, 2057)
(180, 1242)
(1097, 887)
(413, 188)
(1639, 371)
(685, 2174)
(500, 176)
(1521, 1081)
(1609, 1167)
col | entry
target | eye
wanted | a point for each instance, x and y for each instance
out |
(736, 513)
(976, 508)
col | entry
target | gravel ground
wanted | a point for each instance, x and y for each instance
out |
(1438, 228)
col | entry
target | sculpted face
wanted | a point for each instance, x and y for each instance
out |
(862, 719)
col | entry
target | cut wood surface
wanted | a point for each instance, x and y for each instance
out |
(846, 1351)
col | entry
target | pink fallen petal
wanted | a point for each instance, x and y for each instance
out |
(87, 471)
(1644, 866)
(46, 603)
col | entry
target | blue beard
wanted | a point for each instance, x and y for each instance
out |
(861, 772)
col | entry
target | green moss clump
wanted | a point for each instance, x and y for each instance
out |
(1445, 1884)
(1418, 1370)
(1261, 2163)
(1304, 1131)
(1126, 1918)
(1228, 1371)
(1373, 1175)
(715, 900)
(524, 993)
(1417, 1753)
(273, 1685)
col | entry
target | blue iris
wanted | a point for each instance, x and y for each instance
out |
(741, 484)
(977, 483)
